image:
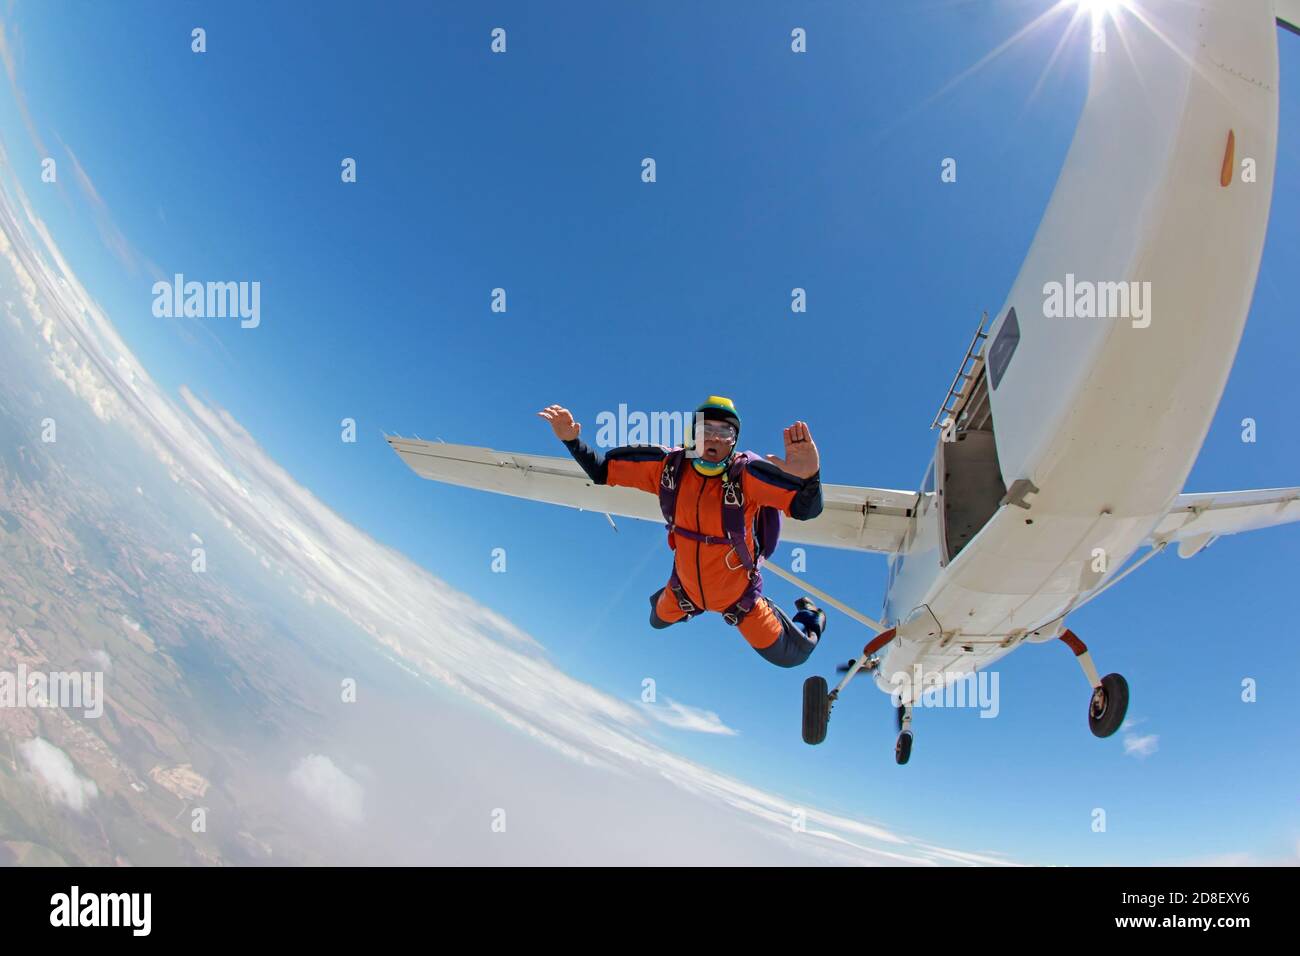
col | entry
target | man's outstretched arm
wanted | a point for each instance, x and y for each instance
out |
(634, 466)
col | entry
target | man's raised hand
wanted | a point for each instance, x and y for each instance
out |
(801, 458)
(562, 423)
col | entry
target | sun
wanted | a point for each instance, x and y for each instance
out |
(1100, 8)
(1099, 12)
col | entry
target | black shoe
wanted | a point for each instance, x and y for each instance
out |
(811, 618)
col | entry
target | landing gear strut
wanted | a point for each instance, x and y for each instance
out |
(817, 701)
(1109, 701)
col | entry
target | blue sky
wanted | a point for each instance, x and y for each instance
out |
(774, 171)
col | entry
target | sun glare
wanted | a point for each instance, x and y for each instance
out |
(1100, 8)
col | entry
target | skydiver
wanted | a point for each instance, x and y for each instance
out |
(722, 513)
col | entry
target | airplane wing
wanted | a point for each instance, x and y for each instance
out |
(1196, 520)
(1288, 14)
(859, 519)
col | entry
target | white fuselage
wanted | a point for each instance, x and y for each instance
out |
(1105, 415)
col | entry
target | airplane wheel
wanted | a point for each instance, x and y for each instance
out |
(1108, 706)
(816, 710)
(903, 747)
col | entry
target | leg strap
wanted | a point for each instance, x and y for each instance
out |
(732, 615)
(746, 602)
(683, 599)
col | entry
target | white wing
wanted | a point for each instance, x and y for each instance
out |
(1196, 520)
(861, 519)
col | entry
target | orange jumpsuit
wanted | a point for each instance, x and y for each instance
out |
(710, 573)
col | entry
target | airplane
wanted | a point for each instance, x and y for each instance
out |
(1075, 416)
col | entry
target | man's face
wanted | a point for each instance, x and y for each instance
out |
(719, 440)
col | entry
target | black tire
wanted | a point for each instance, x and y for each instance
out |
(1108, 705)
(903, 747)
(816, 710)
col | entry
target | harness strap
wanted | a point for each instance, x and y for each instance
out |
(733, 512)
(690, 535)
(747, 601)
(733, 506)
(683, 599)
(733, 524)
(734, 614)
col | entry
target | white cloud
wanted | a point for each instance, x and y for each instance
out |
(1141, 746)
(331, 790)
(683, 717)
(55, 771)
(1135, 744)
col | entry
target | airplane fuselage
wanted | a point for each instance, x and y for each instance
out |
(1094, 419)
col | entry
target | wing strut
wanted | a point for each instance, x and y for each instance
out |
(869, 622)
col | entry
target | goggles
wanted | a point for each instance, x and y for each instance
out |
(719, 431)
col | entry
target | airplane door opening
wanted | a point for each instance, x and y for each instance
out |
(967, 470)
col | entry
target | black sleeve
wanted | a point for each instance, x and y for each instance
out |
(596, 465)
(807, 501)
(592, 462)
